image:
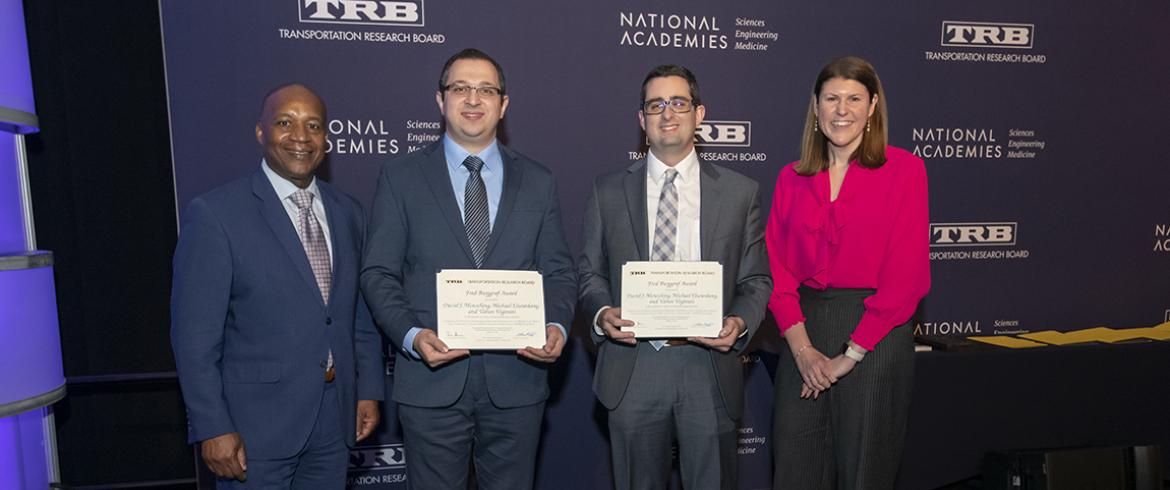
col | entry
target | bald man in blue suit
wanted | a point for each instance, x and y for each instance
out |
(279, 361)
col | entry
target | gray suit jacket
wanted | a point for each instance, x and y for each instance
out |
(416, 230)
(731, 232)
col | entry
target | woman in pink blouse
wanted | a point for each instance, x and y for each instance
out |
(848, 238)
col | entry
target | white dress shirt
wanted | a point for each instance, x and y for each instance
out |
(687, 183)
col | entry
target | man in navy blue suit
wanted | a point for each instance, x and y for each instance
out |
(466, 202)
(279, 361)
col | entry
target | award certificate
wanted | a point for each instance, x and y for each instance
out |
(673, 299)
(490, 309)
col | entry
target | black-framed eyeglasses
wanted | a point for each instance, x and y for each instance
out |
(461, 90)
(677, 104)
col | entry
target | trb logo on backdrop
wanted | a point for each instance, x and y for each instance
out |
(965, 34)
(384, 457)
(724, 133)
(972, 234)
(362, 12)
(713, 134)
(986, 42)
(376, 466)
(976, 240)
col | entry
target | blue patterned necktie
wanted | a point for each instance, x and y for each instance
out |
(475, 210)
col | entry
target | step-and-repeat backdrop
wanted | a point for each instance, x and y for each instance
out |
(1042, 127)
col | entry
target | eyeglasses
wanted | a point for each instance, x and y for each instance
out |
(466, 90)
(657, 106)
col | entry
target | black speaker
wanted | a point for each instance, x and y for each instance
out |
(1124, 468)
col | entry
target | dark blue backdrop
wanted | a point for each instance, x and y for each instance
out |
(1040, 125)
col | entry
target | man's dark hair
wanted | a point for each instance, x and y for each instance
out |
(469, 54)
(673, 71)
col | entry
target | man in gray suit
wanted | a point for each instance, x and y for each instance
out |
(673, 206)
(466, 202)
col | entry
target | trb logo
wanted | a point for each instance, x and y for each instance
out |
(972, 234)
(378, 457)
(724, 133)
(363, 12)
(987, 34)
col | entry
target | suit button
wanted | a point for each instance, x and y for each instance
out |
(329, 321)
(323, 364)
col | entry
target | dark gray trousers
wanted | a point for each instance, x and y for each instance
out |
(672, 396)
(442, 443)
(851, 437)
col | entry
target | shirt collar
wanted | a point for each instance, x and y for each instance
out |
(283, 187)
(455, 155)
(687, 167)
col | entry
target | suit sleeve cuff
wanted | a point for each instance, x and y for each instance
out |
(597, 316)
(745, 327)
(564, 333)
(408, 342)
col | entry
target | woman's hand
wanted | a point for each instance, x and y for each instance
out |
(814, 368)
(839, 366)
(835, 369)
(812, 364)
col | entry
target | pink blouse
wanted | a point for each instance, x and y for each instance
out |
(875, 235)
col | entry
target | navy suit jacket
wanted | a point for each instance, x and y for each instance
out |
(416, 229)
(250, 331)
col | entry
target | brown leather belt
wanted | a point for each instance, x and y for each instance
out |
(676, 342)
(330, 374)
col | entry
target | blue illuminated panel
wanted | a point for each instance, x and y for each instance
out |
(30, 356)
(17, 112)
(11, 218)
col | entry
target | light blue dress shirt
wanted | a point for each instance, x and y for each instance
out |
(492, 174)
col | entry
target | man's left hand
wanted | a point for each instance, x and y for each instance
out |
(733, 327)
(554, 342)
(368, 416)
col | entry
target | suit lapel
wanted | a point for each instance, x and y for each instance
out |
(635, 184)
(339, 233)
(280, 224)
(513, 176)
(438, 178)
(710, 206)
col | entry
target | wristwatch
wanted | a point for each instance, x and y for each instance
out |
(854, 354)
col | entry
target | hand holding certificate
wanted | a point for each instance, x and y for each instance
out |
(490, 309)
(673, 299)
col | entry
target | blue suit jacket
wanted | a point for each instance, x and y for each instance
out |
(249, 328)
(416, 229)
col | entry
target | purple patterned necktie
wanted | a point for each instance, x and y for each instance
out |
(313, 239)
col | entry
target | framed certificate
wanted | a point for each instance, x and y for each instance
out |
(673, 299)
(490, 309)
